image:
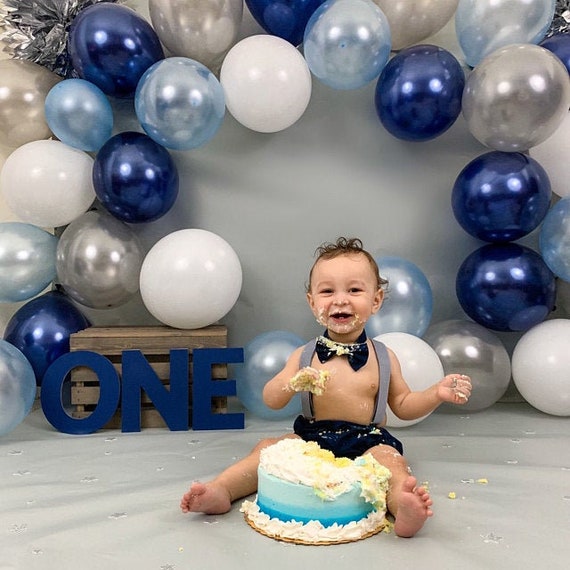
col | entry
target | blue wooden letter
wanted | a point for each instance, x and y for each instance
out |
(203, 388)
(52, 383)
(138, 375)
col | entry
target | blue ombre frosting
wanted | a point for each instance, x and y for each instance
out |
(292, 501)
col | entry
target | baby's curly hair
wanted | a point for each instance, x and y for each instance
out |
(346, 246)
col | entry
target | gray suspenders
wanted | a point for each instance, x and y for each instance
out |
(383, 365)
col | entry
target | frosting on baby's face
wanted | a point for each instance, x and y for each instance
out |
(342, 327)
(343, 295)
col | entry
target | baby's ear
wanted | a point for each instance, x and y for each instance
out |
(378, 299)
(311, 301)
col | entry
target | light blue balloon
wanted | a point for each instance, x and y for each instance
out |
(17, 387)
(79, 114)
(483, 26)
(264, 357)
(27, 261)
(554, 239)
(180, 103)
(408, 301)
(347, 43)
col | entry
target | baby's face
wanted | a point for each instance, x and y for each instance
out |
(344, 294)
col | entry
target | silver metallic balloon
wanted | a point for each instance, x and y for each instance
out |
(23, 89)
(27, 261)
(414, 20)
(99, 260)
(516, 97)
(468, 348)
(203, 30)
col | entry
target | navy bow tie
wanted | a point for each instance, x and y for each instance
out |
(356, 353)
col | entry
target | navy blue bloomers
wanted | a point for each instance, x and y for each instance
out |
(345, 439)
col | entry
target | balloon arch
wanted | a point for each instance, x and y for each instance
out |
(185, 66)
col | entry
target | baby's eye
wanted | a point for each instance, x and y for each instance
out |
(326, 291)
(355, 290)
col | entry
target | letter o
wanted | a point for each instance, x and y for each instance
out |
(110, 391)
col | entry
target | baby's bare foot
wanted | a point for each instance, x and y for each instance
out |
(209, 498)
(413, 509)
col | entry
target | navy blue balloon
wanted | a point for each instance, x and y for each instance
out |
(559, 45)
(135, 178)
(111, 46)
(285, 19)
(506, 287)
(41, 328)
(418, 94)
(501, 196)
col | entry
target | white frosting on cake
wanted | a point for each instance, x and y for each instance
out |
(307, 494)
(314, 532)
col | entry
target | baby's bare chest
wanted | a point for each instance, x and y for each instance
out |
(344, 381)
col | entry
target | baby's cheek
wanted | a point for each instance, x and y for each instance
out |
(321, 316)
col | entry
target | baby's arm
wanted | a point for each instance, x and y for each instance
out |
(276, 393)
(409, 405)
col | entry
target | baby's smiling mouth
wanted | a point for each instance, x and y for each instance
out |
(341, 316)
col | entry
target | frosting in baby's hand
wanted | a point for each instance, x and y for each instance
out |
(309, 379)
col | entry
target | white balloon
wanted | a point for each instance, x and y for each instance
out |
(541, 367)
(47, 183)
(267, 83)
(421, 367)
(552, 154)
(190, 279)
(414, 20)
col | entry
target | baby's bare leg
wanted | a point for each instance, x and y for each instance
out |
(410, 505)
(237, 481)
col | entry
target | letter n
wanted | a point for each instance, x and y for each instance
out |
(172, 403)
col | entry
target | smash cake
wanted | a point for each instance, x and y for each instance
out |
(307, 495)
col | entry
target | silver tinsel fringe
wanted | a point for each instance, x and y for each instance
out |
(561, 21)
(37, 30)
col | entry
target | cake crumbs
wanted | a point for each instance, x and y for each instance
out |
(309, 379)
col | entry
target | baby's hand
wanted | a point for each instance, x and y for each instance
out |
(309, 379)
(455, 388)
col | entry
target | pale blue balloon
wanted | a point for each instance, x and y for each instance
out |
(347, 43)
(17, 387)
(79, 114)
(408, 300)
(180, 103)
(554, 239)
(264, 357)
(27, 261)
(483, 26)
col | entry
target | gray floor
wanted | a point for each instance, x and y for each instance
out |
(110, 500)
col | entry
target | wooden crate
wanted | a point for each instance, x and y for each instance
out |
(155, 343)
